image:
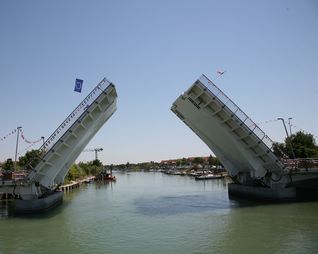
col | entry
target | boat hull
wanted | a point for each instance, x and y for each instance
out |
(208, 177)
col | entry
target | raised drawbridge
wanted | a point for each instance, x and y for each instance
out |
(66, 143)
(243, 148)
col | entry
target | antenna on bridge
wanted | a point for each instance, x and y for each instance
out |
(96, 150)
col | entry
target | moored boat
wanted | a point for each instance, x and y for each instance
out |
(208, 176)
(109, 177)
(105, 176)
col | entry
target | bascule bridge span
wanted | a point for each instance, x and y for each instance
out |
(243, 148)
(63, 147)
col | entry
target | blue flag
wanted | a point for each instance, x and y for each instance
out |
(78, 85)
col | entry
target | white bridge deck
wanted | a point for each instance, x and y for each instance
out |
(243, 148)
(66, 143)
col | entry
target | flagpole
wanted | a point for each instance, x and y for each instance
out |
(16, 149)
(220, 74)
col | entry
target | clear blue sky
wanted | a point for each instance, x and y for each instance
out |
(153, 51)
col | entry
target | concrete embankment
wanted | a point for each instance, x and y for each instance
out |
(76, 184)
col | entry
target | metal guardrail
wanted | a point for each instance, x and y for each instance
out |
(75, 115)
(306, 163)
(10, 178)
(252, 126)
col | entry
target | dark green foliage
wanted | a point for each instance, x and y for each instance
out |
(97, 163)
(85, 167)
(184, 162)
(30, 159)
(8, 165)
(75, 172)
(214, 161)
(198, 160)
(303, 144)
(82, 169)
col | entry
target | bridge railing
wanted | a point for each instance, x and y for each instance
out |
(252, 126)
(75, 115)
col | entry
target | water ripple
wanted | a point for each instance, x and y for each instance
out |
(171, 205)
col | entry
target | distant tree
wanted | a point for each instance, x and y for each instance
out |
(210, 160)
(198, 160)
(97, 163)
(303, 144)
(8, 165)
(121, 166)
(178, 162)
(216, 161)
(184, 161)
(85, 168)
(74, 173)
(95, 167)
(30, 159)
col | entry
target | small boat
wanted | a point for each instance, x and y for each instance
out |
(105, 176)
(109, 177)
(89, 179)
(209, 176)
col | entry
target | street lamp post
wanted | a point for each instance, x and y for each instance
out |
(290, 131)
(290, 142)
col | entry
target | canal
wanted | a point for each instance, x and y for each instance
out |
(157, 213)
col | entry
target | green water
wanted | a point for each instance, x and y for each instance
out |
(157, 213)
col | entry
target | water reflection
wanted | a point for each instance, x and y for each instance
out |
(4, 208)
(104, 185)
(172, 205)
(214, 183)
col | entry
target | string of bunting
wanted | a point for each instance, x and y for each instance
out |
(261, 123)
(268, 121)
(8, 135)
(28, 141)
(27, 148)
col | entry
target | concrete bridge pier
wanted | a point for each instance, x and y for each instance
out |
(262, 193)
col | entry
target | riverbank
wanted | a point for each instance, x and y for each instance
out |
(196, 172)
